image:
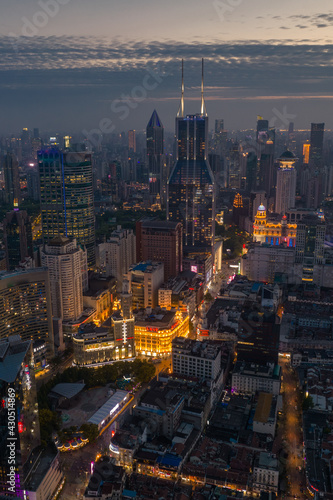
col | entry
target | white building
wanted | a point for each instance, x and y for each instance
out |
(286, 183)
(266, 473)
(145, 280)
(262, 262)
(249, 378)
(47, 479)
(118, 254)
(197, 359)
(67, 264)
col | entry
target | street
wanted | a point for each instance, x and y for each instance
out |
(293, 437)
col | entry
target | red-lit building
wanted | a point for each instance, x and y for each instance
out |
(160, 241)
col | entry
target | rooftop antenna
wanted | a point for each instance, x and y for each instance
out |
(203, 107)
(181, 107)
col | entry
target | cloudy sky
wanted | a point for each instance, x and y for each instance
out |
(79, 65)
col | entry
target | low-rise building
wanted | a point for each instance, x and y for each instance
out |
(266, 473)
(47, 478)
(107, 481)
(156, 329)
(249, 378)
(264, 420)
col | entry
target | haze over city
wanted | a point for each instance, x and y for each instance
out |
(69, 61)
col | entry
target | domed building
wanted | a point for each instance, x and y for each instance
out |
(273, 229)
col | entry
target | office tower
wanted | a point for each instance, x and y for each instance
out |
(251, 171)
(306, 153)
(257, 198)
(33, 186)
(292, 138)
(26, 144)
(317, 143)
(265, 149)
(145, 279)
(286, 183)
(12, 180)
(191, 187)
(123, 325)
(25, 307)
(234, 177)
(118, 254)
(67, 265)
(155, 149)
(220, 138)
(67, 199)
(36, 133)
(131, 141)
(19, 422)
(260, 338)
(160, 241)
(17, 237)
(310, 240)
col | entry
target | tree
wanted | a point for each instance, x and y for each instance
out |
(90, 431)
(307, 403)
(49, 422)
(208, 297)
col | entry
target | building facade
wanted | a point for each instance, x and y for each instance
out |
(25, 306)
(160, 241)
(155, 331)
(67, 264)
(67, 199)
(118, 254)
(17, 236)
(273, 230)
(145, 279)
(191, 186)
(19, 421)
(286, 183)
(12, 180)
(155, 150)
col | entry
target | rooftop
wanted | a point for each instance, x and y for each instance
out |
(108, 408)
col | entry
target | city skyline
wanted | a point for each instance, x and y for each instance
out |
(84, 60)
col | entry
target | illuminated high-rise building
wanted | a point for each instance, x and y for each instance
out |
(67, 265)
(286, 183)
(310, 241)
(131, 141)
(191, 187)
(306, 153)
(12, 179)
(25, 307)
(19, 422)
(67, 199)
(155, 146)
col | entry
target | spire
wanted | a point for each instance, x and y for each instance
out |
(203, 107)
(181, 107)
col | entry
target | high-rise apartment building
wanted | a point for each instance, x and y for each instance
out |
(191, 186)
(160, 241)
(317, 143)
(286, 183)
(67, 265)
(67, 200)
(25, 307)
(193, 358)
(145, 279)
(19, 422)
(118, 254)
(17, 238)
(155, 149)
(12, 180)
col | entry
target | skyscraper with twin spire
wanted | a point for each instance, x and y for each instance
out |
(191, 187)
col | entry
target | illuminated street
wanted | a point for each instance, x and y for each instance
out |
(292, 432)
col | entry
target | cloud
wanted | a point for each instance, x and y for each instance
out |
(76, 79)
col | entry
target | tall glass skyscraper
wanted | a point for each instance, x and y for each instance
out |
(67, 198)
(155, 146)
(191, 196)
